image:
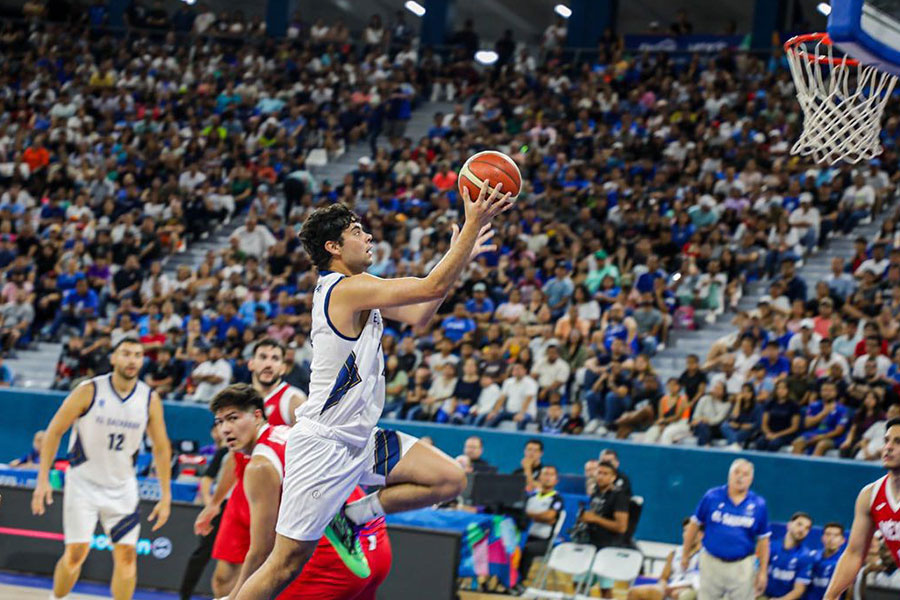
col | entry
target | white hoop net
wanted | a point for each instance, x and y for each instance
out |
(842, 103)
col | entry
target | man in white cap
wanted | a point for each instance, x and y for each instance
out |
(806, 344)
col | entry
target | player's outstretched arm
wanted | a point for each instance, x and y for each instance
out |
(162, 457)
(262, 483)
(76, 404)
(857, 546)
(363, 292)
(418, 315)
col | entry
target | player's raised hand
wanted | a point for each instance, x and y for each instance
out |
(42, 495)
(203, 523)
(160, 513)
(488, 204)
(481, 245)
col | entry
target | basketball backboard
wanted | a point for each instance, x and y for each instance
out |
(867, 30)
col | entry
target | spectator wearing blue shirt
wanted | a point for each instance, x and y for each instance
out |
(645, 282)
(774, 363)
(457, 325)
(735, 522)
(248, 309)
(226, 321)
(790, 565)
(77, 306)
(480, 307)
(32, 459)
(825, 422)
(825, 560)
(559, 290)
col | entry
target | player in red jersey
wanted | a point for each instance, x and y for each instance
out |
(877, 507)
(280, 401)
(247, 533)
(267, 367)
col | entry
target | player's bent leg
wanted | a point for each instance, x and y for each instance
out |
(68, 568)
(424, 476)
(124, 577)
(224, 577)
(284, 563)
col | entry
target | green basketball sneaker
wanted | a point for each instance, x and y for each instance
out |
(343, 535)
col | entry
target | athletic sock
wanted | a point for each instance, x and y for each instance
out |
(53, 597)
(365, 509)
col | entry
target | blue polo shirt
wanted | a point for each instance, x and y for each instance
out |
(776, 368)
(787, 567)
(840, 416)
(821, 571)
(731, 531)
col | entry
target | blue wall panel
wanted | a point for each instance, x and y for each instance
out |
(671, 479)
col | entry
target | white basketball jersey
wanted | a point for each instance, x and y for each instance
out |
(346, 386)
(105, 439)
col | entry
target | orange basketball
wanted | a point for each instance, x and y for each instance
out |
(495, 167)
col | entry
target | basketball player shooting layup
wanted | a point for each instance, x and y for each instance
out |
(335, 444)
(877, 507)
(108, 416)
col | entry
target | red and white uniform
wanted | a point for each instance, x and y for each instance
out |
(325, 577)
(233, 539)
(278, 404)
(885, 511)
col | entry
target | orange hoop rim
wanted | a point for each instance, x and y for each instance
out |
(792, 45)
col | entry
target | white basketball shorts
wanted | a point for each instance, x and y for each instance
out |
(321, 472)
(84, 503)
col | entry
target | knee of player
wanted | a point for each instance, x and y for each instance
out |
(125, 560)
(454, 481)
(76, 554)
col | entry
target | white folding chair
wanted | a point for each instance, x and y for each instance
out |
(618, 564)
(560, 520)
(572, 559)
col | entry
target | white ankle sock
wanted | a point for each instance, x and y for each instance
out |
(53, 597)
(365, 509)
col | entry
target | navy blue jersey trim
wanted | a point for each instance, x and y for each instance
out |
(328, 317)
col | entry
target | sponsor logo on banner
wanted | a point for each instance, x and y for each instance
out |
(159, 548)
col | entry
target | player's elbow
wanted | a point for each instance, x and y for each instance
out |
(433, 288)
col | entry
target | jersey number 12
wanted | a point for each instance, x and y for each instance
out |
(116, 440)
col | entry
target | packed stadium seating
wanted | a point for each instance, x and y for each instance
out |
(154, 189)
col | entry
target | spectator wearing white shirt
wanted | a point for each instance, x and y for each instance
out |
(873, 352)
(552, 372)
(729, 375)
(858, 201)
(805, 220)
(254, 239)
(212, 374)
(191, 179)
(877, 264)
(806, 343)
(872, 440)
(487, 400)
(517, 401)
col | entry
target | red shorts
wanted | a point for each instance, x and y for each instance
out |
(326, 577)
(233, 540)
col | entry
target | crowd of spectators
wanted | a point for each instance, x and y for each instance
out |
(656, 188)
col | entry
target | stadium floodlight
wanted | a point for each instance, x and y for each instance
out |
(824, 8)
(486, 57)
(562, 10)
(414, 7)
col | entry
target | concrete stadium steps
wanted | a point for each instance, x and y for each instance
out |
(35, 368)
(671, 361)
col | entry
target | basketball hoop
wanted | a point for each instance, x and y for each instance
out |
(842, 101)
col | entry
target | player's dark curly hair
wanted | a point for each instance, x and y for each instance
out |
(240, 396)
(325, 225)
